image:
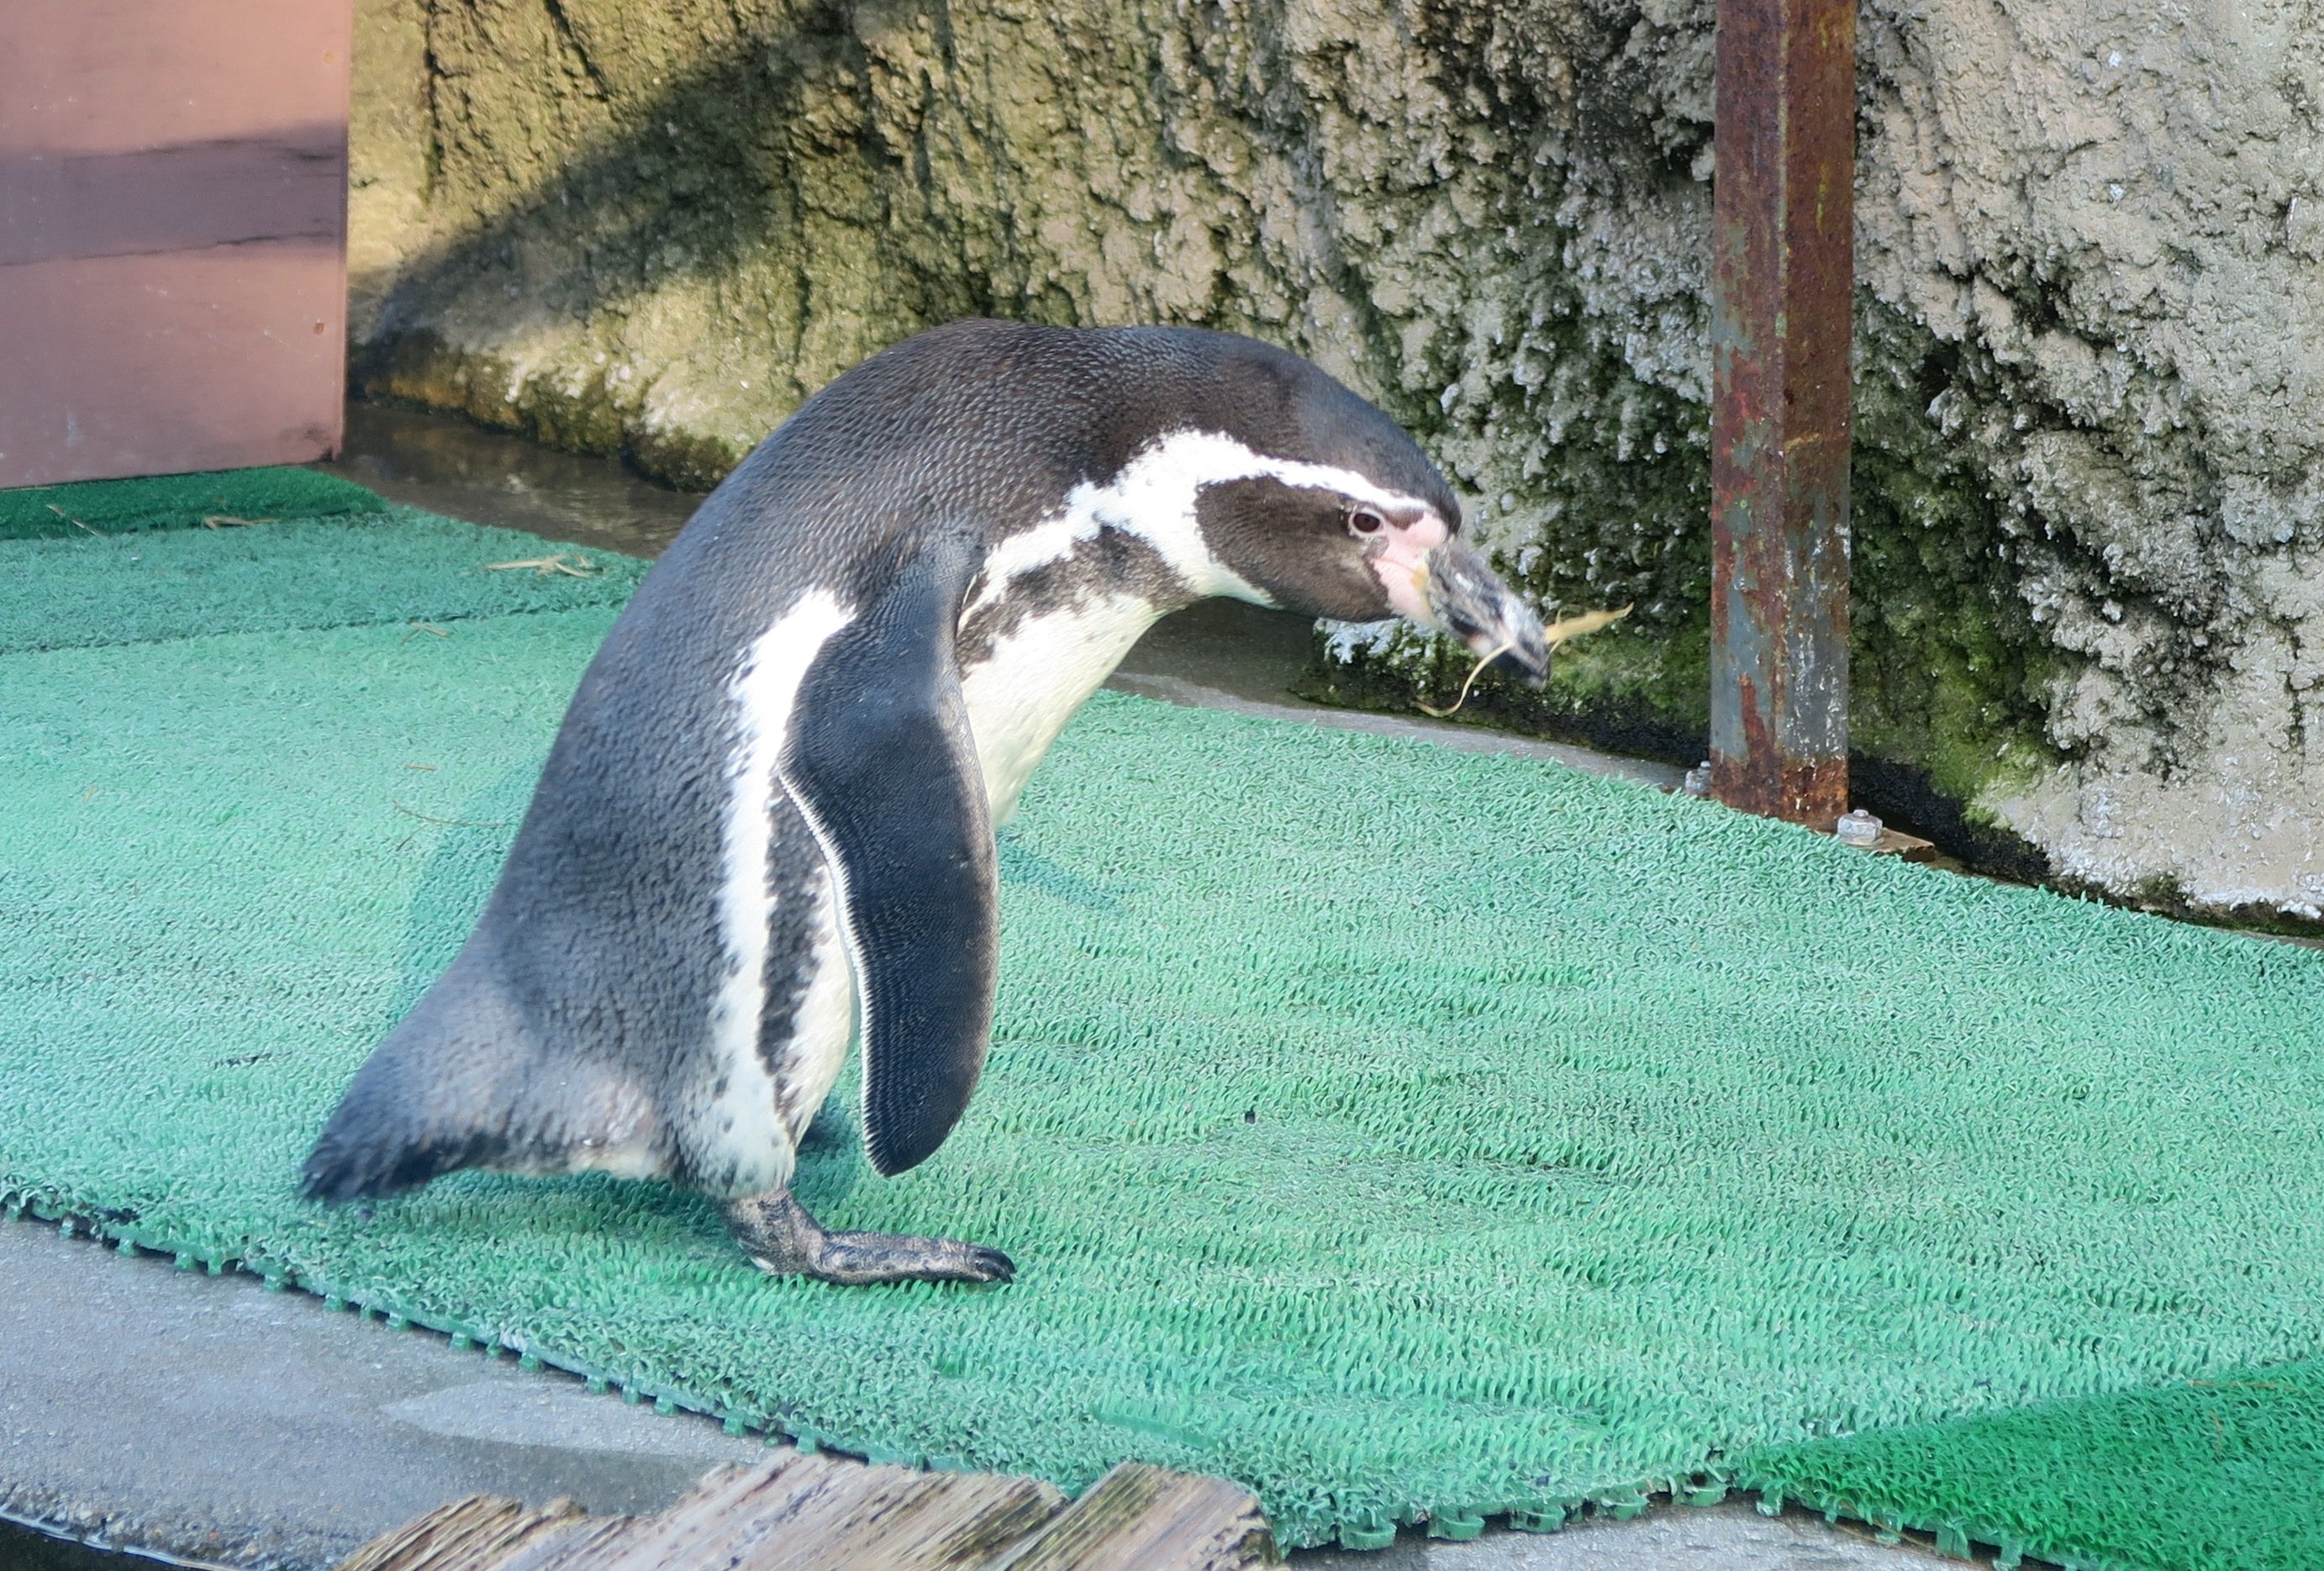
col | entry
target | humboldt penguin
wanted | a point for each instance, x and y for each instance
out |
(765, 829)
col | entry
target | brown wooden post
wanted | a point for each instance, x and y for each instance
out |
(1781, 280)
(173, 181)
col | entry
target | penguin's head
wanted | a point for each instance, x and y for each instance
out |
(1307, 498)
(1332, 543)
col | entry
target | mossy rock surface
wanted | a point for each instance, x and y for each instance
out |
(2089, 498)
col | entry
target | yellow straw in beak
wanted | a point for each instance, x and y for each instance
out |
(1570, 627)
(1559, 632)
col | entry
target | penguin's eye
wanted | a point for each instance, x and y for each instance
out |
(1364, 520)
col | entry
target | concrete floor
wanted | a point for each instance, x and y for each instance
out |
(208, 1417)
(149, 1410)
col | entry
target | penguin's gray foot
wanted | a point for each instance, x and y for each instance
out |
(779, 1235)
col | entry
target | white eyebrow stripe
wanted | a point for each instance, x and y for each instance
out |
(1153, 497)
(1213, 459)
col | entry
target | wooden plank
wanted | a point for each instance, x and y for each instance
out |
(167, 365)
(282, 182)
(1138, 1518)
(472, 1534)
(1896, 842)
(818, 1513)
(794, 1512)
(173, 235)
(579, 1544)
(938, 1521)
(689, 1531)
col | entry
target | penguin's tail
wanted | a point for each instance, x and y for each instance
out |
(370, 1149)
(433, 1098)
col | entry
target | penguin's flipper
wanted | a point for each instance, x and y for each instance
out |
(881, 759)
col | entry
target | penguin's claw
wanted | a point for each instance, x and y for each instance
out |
(781, 1238)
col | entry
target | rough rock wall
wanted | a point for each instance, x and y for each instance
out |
(2090, 486)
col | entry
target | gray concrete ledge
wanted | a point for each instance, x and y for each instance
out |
(146, 1408)
(1444, 732)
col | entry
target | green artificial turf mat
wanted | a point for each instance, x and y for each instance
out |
(106, 507)
(2217, 1472)
(402, 566)
(1394, 1130)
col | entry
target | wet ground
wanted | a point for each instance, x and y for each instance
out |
(1220, 653)
(462, 470)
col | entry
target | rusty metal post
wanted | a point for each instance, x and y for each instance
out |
(1782, 279)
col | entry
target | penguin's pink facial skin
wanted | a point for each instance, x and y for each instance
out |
(1441, 582)
(1398, 550)
(1336, 543)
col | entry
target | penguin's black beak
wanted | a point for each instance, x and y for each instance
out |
(1470, 602)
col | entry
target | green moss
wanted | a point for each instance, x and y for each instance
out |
(1947, 670)
(2164, 894)
(420, 369)
(689, 460)
(1640, 694)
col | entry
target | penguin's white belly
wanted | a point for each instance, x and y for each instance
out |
(1020, 697)
(824, 1025)
(770, 1091)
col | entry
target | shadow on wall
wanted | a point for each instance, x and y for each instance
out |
(766, 147)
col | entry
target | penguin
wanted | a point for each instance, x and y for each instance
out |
(764, 833)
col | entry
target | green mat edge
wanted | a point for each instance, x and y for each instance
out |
(1776, 1477)
(51, 1203)
(1956, 1538)
(1785, 1476)
(1829, 1475)
(56, 1205)
(43, 512)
